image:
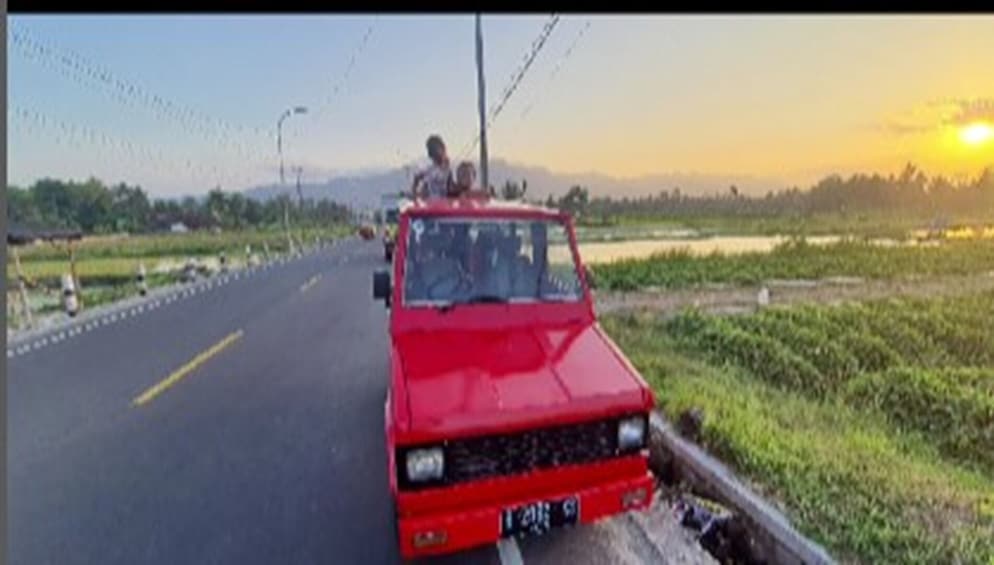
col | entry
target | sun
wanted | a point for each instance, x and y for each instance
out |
(976, 133)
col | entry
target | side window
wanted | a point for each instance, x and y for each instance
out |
(527, 252)
(562, 277)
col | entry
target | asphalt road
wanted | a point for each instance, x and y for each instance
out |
(263, 443)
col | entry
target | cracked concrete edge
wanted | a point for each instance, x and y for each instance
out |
(671, 543)
(18, 339)
(788, 545)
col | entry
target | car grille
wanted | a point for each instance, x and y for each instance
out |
(484, 457)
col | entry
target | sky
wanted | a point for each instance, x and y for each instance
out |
(180, 104)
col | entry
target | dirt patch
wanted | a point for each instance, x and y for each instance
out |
(731, 300)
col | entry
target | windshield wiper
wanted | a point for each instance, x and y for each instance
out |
(475, 299)
(485, 299)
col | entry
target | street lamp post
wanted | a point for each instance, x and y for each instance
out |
(279, 149)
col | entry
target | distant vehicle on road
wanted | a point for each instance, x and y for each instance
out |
(390, 213)
(367, 232)
(509, 411)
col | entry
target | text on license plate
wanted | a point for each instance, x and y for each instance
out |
(539, 517)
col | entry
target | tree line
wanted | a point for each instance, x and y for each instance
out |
(911, 192)
(92, 207)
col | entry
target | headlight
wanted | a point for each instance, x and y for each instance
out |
(631, 433)
(425, 464)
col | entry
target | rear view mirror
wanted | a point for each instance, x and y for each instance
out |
(589, 275)
(381, 286)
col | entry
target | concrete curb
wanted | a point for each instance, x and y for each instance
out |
(784, 543)
(22, 342)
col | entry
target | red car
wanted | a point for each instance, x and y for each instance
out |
(509, 411)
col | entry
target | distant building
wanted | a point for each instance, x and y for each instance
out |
(179, 227)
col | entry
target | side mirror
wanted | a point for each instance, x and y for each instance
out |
(381, 286)
(589, 275)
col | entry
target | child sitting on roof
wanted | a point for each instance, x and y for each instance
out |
(436, 180)
(465, 185)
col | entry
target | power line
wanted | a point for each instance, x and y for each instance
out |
(516, 79)
(70, 134)
(556, 69)
(86, 73)
(340, 85)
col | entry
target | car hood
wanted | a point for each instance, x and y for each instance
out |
(463, 382)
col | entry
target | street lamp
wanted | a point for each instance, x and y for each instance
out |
(279, 149)
(279, 134)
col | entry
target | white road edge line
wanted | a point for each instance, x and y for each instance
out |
(509, 552)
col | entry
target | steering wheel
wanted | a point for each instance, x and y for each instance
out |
(457, 278)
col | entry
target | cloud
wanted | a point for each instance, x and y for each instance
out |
(970, 111)
(939, 113)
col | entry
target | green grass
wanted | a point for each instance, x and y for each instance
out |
(882, 453)
(99, 270)
(797, 260)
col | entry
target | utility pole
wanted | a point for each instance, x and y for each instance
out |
(482, 96)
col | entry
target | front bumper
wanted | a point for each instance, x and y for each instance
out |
(454, 529)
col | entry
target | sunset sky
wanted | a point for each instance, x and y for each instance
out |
(792, 98)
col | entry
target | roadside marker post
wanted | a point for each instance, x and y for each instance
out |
(142, 284)
(249, 258)
(77, 285)
(223, 261)
(69, 295)
(189, 271)
(22, 288)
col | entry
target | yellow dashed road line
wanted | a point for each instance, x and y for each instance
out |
(185, 370)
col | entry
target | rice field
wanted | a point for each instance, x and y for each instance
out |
(797, 259)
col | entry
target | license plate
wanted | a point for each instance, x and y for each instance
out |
(539, 517)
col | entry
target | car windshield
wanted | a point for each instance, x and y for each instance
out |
(462, 260)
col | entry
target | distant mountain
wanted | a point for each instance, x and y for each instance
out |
(363, 189)
(357, 190)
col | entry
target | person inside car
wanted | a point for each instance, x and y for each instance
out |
(436, 180)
